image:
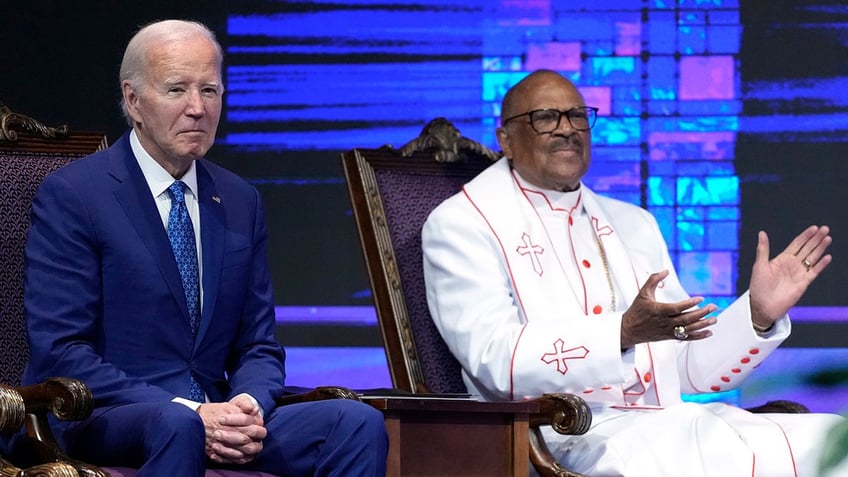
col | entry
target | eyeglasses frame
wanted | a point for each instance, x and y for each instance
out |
(566, 113)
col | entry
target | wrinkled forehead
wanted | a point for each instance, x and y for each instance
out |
(193, 54)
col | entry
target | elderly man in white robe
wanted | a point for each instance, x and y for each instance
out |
(538, 284)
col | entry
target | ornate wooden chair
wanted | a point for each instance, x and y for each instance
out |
(29, 151)
(392, 192)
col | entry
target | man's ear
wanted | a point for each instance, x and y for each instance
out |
(503, 141)
(130, 100)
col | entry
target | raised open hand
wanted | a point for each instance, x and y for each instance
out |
(778, 284)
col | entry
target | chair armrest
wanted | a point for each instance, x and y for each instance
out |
(12, 410)
(780, 406)
(317, 394)
(67, 399)
(566, 413)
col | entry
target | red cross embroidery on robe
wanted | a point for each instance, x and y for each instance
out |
(601, 231)
(533, 250)
(560, 354)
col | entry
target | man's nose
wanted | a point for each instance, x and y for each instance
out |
(194, 106)
(564, 127)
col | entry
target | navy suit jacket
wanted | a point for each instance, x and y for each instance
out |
(104, 301)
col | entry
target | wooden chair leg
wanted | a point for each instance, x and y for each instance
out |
(543, 460)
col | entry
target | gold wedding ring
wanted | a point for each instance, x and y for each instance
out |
(807, 264)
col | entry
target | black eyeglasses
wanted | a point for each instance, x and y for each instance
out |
(581, 118)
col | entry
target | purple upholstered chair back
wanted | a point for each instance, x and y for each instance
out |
(392, 192)
(408, 197)
(24, 163)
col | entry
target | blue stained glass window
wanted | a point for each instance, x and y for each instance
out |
(708, 190)
(722, 235)
(723, 17)
(662, 168)
(607, 153)
(665, 219)
(723, 213)
(599, 48)
(496, 84)
(723, 39)
(691, 214)
(661, 191)
(692, 40)
(617, 131)
(618, 70)
(662, 71)
(707, 107)
(690, 18)
(705, 168)
(662, 33)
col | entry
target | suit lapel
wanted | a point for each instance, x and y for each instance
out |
(133, 194)
(212, 236)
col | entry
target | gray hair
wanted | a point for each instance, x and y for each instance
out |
(136, 62)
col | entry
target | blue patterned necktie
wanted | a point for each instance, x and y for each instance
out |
(181, 235)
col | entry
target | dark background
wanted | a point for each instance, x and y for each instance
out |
(59, 60)
(794, 176)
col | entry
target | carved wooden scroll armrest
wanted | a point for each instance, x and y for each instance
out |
(320, 393)
(566, 413)
(67, 399)
(12, 410)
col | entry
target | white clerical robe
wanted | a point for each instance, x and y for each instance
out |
(528, 288)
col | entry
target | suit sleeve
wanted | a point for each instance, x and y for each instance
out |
(257, 363)
(63, 299)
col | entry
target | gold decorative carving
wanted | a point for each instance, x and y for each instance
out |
(51, 469)
(446, 143)
(12, 123)
(12, 409)
(565, 413)
(74, 400)
(376, 205)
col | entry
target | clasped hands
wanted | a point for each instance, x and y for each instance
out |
(776, 285)
(234, 430)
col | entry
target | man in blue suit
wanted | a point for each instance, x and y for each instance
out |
(181, 359)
